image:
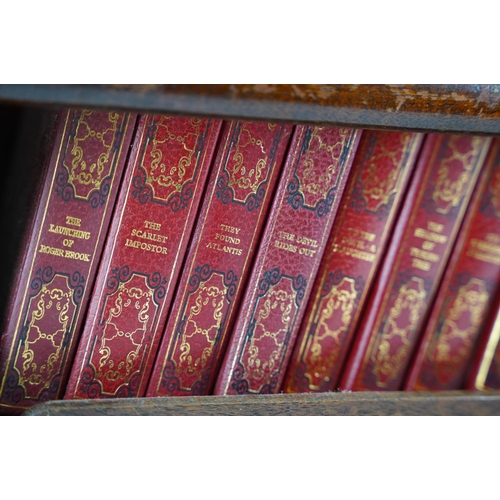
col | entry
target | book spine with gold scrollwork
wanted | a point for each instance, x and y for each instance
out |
(148, 238)
(376, 187)
(230, 223)
(466, 292)
(61, 255)
(293, 242)
(423, 237)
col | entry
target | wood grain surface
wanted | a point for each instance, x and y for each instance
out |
(332, 403)
(440, 108)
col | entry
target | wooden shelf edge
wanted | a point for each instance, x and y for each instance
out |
(333, 404)
(471, 109)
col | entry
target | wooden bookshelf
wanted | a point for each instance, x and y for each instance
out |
(468, 109)
(326, 404)
(471, 109)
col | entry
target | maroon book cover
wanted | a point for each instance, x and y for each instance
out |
(61, 255)
(292, 245)
(151, 227)
(465, 294)
(419, 250)
(376, 187)
(227, 233)
(484, 371)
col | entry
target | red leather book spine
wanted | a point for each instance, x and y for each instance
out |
(484, 372)
(227, 233)
(423, 237)
(379, 176)
(299, 224)
(62, 255)
(151, 227)
(466, 291)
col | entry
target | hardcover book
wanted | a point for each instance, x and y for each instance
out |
(465, 294)
(61, 255)
(379, 176)
(484, 372)
(227, 233)
(422, 240)
(151, 227)
(292, 245)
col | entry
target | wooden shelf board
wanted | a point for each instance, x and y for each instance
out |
(472, 109)
(333, 403)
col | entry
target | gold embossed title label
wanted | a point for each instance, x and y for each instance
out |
(148, 238)
(296, 244)
(226, 240)
(357, 244)
(486, 250)
(69, 233)
(431, 248)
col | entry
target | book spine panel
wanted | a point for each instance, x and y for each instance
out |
(424, 235)
(227, 234)
(492, 380)
(151, 227)
(466, 291)
(382, 167)
(484, 372)
(293, 243)
(63, 254)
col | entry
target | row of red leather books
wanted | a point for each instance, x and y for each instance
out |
(172, 256)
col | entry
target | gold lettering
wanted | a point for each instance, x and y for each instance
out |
(302, 240)
(352, 252)
(285, 246)
(484, 246)
(493, 238)
(73, 221)
(484, 250)
(428, 245)
(485, 257)
(67, 231)
(146, 235)
(148, 247)
(229, 229)
(307, 252)
(69, 254)
(435, 227)
(360, 245)
(427, 235)
(152, 225)
(353, 243)
(286, 236)
(227, 239)
(356, 233)
(422, 254)
(421, 264)
(224, 248)
(51, 250)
